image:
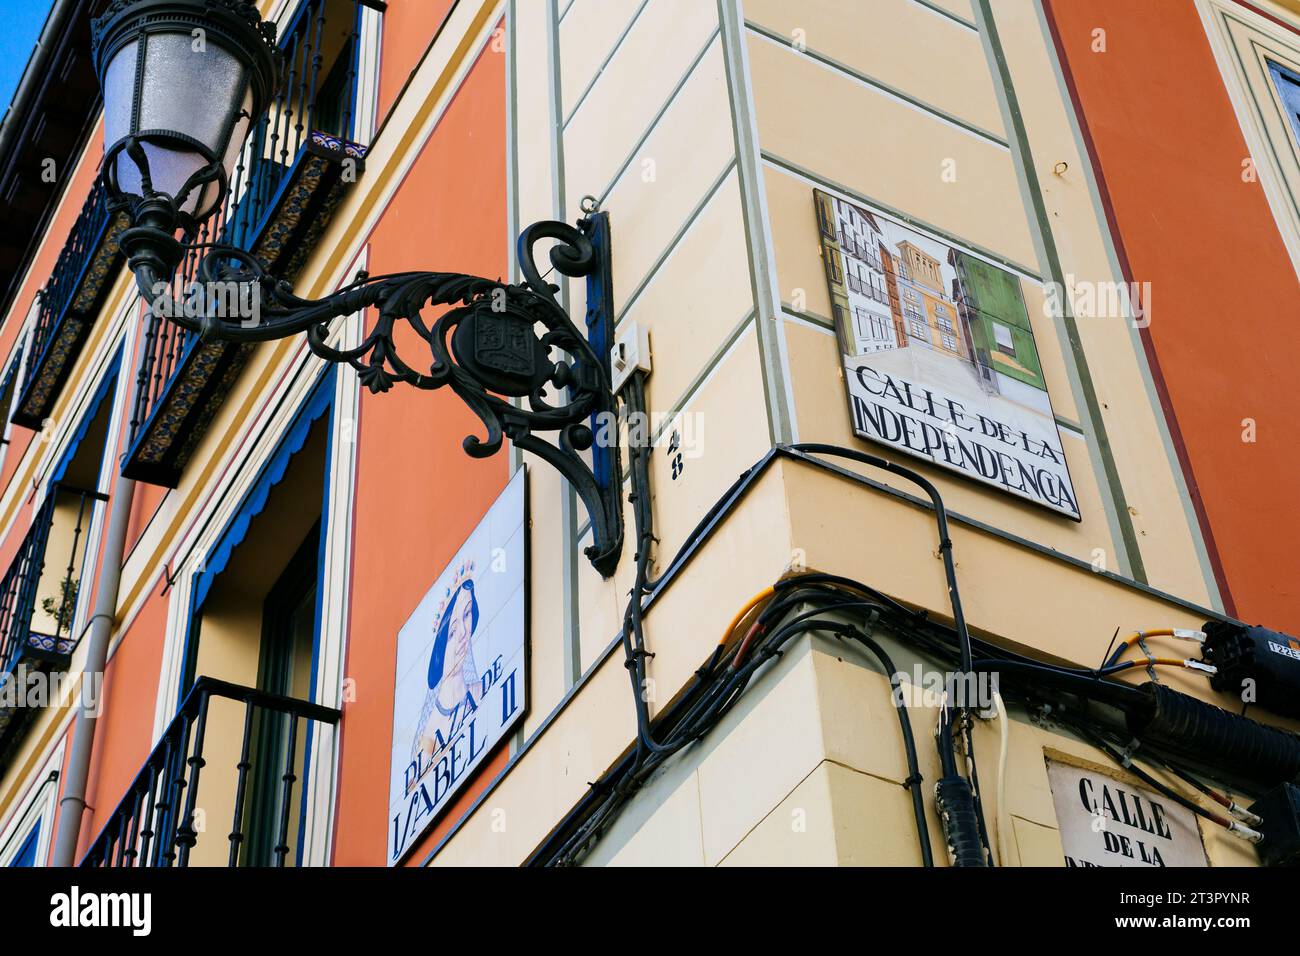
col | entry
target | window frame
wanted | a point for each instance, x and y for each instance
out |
(1280, 75)
(37, 810)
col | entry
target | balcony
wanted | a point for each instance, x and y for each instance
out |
(69, 303)
(241, 747)
(294, 171)
(38, 602)
(857, 249)
(866, 289)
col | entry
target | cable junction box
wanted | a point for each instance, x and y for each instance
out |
(1260, 666)
(630, 352)
(1280, 810)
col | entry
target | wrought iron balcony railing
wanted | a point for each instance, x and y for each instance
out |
(68, 304)
(853, 246)
(38, 601)
(309, 124)
(293, 172)
(230, 753)
(867, 289)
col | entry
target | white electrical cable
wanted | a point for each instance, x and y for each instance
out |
(1002, 821)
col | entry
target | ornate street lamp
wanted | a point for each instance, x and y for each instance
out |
(183, 80)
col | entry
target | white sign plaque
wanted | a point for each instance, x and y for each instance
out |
(939, 355)
(1108, 822)
(461, 675)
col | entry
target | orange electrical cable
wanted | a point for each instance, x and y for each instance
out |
(1156, 662)
(755, 601)
(1128, 642)
(1134, 638)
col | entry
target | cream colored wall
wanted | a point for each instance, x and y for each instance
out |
(898, 44)
(865, 112)
(657, 147)
(896, 155)
(817, 744)
(733, 800)
(229, 646)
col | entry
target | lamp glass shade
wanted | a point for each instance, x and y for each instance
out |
(119, 93)
(191, 105)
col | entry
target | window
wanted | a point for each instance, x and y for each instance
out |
(335, 98)
(877, 290)
(833, 267)
(230, 630)
(949, 342)
(870, 325)
(823, 220)
(284, 669)
(254, 623)
(317, 93)
(861, 322)
(25, 842)
(40, 587)
(1288, 88)
(1003, 340)
(1260, 62)
(26, 855)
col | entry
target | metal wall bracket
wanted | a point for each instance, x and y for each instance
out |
(522, 383)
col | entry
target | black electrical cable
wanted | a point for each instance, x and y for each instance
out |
(634, 648)
(695, 719)
(704, 711)
(1127, 762)
(941, 520)
(962, 710)
(719, 684)
(697, 713)
(987, 657)
(914, 778)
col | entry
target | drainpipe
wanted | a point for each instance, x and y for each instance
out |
(72, 805)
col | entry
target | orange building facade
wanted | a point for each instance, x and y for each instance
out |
(286, 524)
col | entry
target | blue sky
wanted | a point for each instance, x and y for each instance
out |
(23, 20)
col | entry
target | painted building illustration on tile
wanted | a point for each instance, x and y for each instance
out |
(953, 377)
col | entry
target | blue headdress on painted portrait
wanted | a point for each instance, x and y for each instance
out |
(437, 658)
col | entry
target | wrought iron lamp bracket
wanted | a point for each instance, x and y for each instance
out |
(509, 351)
